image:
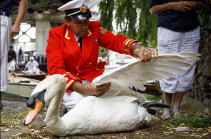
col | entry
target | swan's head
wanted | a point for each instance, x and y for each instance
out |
(43, 93)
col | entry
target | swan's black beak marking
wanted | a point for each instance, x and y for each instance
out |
(40, 96)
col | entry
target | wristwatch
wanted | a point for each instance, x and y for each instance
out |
(139, 43)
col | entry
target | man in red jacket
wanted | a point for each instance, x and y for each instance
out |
(72, 51)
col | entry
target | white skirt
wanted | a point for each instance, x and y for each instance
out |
(170, 42)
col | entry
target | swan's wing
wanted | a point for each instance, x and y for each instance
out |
(137, 73)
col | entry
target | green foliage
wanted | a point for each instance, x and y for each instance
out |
(147, 31)
(126, 16)
(194, 121)
(204, 19)
(106, 10)
(133, 19)
(152, 98)
(157, 84)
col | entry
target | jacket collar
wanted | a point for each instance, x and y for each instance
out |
(74, 49)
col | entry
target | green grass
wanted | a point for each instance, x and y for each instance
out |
(6, 117)
(194, 121)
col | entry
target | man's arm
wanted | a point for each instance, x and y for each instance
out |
(90, 89)
(21, 12)
(181, 6)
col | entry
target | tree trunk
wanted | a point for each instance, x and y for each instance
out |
(202, 83)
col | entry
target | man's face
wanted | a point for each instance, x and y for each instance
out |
(78, 27)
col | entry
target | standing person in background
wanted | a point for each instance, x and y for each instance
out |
(12, 60)
(8, 30)
(178, 31)
(37, 58)
(20, 55)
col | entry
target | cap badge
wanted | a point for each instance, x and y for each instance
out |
(83, 8)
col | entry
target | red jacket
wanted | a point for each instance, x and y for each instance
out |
(65, 57)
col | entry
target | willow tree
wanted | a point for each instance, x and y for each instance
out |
(132, 19)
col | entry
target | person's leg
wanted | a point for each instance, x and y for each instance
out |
(19, 59)
(168, 43)
(177, 101)
(5, 29)
(168, 98)
(167, 111)
(29, 72)
(190, 44)
(1, 105)
(71, 99)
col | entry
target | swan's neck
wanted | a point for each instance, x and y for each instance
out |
(52, 116)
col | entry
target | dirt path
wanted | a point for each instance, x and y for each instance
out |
(14, 112)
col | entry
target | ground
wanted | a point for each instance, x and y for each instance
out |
(14, 112)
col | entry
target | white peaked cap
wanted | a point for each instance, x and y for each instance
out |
(32, 57)
(78, 3)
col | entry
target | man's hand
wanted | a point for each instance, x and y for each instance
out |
(90, 89)
(15, 30)
(21, 12)
(180, 6)
(142, 52)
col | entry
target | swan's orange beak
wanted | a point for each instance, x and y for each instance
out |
(33, 112)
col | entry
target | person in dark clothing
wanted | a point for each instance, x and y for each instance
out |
(20, 55)
(12, 61)
(37, 58)
(178, 32)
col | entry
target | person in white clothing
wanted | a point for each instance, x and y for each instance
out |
(7, 30)
(32, 67)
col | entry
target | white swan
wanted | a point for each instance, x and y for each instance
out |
(115, 112)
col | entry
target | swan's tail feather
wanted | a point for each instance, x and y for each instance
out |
(144, 115)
